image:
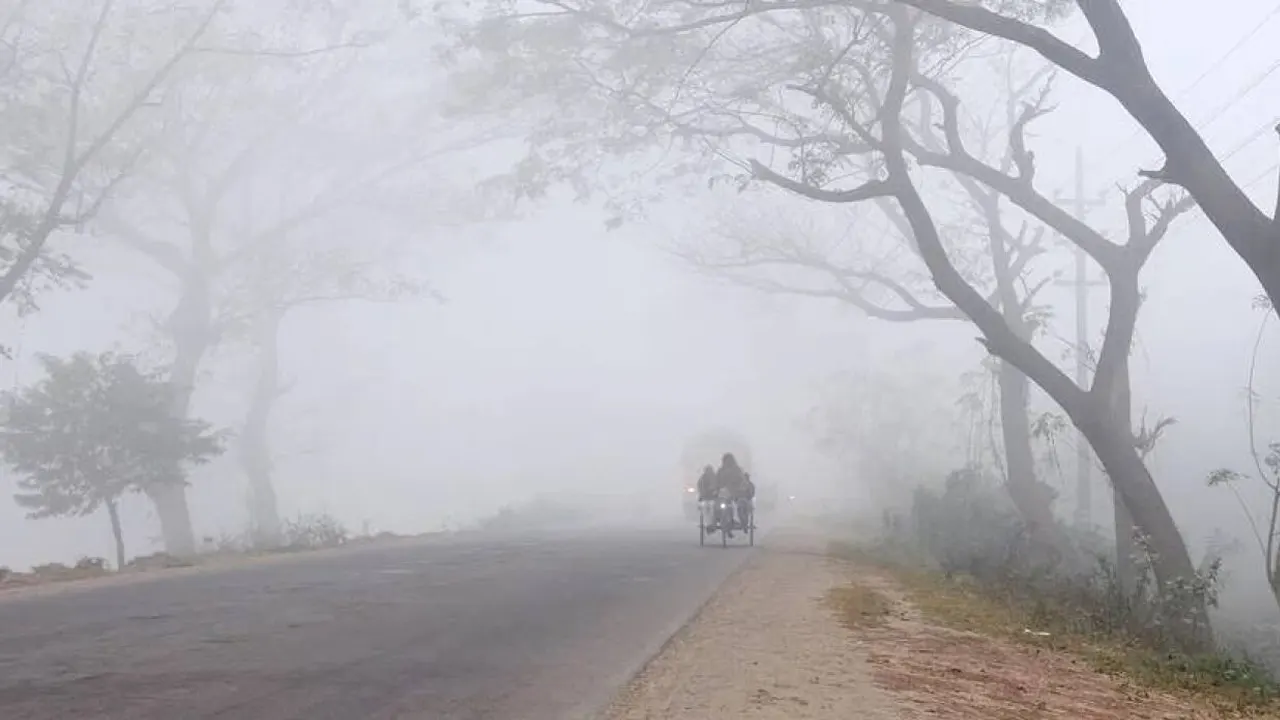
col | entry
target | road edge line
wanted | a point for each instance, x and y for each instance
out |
(598, 709)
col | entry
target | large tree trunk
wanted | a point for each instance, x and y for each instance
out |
(1114, 390)
(1032, 498)
(1139, 494)
(191, 327)
(255, 447)
(1113, 442)
(1126, 570)
(1108, 425)
(1090, 411)
(117, 532)
(1191, 163)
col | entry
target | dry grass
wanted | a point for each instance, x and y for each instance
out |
(857, 606)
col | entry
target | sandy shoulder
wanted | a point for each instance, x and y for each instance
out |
(767, 646)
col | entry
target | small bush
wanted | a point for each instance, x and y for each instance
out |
(50, 570)
(91, 565)
(158, 561)
(229, 543)
(971, 530)
(310, 532)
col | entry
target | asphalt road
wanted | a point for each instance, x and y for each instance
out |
(530, 628)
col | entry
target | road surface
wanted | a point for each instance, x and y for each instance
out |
(532, 628)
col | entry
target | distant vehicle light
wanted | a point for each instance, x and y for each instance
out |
(688, 489)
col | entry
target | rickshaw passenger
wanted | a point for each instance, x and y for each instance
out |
(707, 484)
(746, 501)
(731, 478)
(707, 492)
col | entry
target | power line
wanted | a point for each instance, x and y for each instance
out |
(1261, 176)
(1235, 100)
(1240, 95)
(1269, 172)
(1266, 127)
(1227, 56)
(1253, 85)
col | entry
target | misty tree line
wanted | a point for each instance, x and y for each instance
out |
(263, 158)
(883, 107)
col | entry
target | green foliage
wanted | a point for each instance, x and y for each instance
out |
(93, 429)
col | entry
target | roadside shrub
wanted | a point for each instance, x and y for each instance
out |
(970, 529)
(91, 565)
(229, 543)
(314, 531)
(158, 561)
(963, 553)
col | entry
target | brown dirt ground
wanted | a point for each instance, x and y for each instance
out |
(797, 635)
(942, 673)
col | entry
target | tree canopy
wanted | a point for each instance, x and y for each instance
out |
(93, 429)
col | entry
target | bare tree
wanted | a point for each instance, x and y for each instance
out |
(1102, 412)
(1001, 261)
(801, 97)
(877, 284)
(291, 277)
(1120, 69)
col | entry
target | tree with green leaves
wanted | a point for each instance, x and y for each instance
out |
(875, 268)
(92, 430)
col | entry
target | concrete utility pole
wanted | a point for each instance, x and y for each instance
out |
(1082, 284)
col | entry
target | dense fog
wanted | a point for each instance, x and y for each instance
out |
(446, 350)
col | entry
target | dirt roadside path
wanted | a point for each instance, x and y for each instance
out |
(798, 635)
(767, 646)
